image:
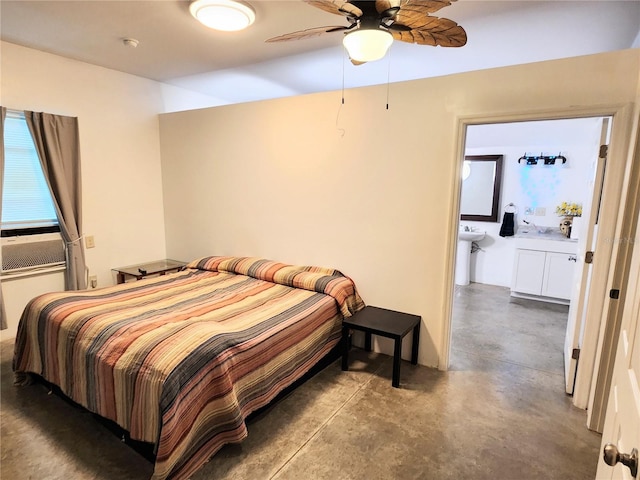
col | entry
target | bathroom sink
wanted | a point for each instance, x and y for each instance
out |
(463, 257)
(466, 236)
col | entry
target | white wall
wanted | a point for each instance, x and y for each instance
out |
(119, 144)
(533, 186)
(356, 187)
(17, 292)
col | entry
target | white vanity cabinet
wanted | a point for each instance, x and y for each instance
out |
(543, 270)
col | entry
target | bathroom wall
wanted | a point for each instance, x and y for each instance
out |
(539, 188)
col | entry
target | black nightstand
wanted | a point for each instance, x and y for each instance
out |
(142, 270)
(386, 323)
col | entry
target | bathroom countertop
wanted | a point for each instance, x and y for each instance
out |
(553, 234)
(551, 241)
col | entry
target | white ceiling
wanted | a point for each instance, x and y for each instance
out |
(235, 67)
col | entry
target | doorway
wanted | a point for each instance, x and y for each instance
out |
(602, 311)
(547, 164)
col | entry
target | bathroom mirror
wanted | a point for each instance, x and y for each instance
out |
(481, 180)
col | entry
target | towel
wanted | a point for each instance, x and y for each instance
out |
(506, 230)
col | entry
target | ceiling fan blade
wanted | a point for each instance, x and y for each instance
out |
(309, 33)
(412, 15)
(419, 6)
(435, 32)
(339, 7)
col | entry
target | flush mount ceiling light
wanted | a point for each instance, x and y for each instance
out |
(367, 45)
(225, 15)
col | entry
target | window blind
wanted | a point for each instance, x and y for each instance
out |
(26, 200)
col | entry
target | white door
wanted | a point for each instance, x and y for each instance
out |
(582, 277)
(622, 420)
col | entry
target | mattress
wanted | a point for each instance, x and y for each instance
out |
(181, 360)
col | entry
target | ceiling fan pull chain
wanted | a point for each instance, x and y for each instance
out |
(341, 130)
(343, 56)
(388, 77)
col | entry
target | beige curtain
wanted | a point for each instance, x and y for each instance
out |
(3, 114)
(57, 142)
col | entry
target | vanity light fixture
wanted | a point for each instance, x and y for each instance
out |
(225, 15)
(543, 159)
(367, 44)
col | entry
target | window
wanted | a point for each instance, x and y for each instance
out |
(27, 206)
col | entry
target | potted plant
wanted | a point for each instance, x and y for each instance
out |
(568, 210)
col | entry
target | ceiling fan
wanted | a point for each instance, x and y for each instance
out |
(374, 24)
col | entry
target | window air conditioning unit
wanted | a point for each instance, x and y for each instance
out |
(30, 252)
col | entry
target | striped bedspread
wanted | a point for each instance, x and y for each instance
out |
(181, 360)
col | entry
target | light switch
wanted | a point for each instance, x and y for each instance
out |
(541, 211)
(89, 241)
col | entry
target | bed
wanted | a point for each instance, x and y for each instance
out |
(181, 360)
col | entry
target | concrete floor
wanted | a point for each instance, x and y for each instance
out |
(499, 414)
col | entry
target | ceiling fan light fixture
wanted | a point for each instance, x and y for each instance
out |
(225, 15)
(368, 44)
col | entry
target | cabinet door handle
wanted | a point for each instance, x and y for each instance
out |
(572, 258)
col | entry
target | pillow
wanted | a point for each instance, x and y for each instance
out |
(316, 279)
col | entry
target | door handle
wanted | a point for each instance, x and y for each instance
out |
(572, 258)
(612, 456)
